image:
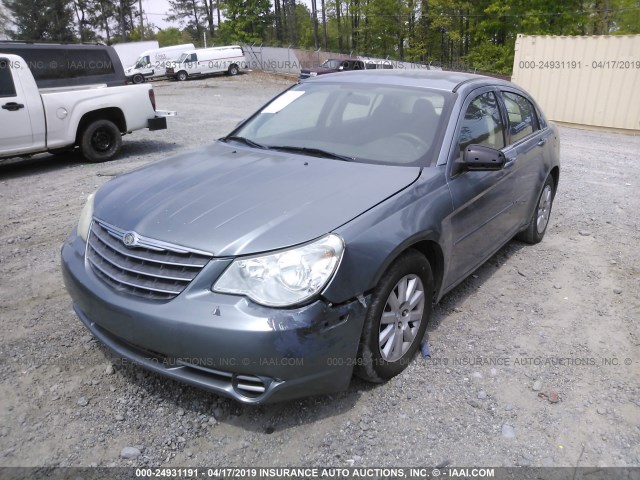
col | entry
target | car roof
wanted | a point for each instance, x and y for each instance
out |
(19, 44)
(433, 79)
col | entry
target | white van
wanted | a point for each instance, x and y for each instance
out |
(154, 63)
(205, 61)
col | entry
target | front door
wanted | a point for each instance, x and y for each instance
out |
(482, 215)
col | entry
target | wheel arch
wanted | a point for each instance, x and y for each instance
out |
(555, 174)
(430, 249)
(113, 114)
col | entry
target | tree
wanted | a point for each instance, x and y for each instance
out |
(82, 10)
(48, 20)
(188, 13)
(149, 33)
(173, 36)
(209, 7)
(4, 22)
(314, 19)
(248, 19)
(102, 16)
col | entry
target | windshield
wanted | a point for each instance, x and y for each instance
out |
(142, 62)
(331, 63)
(183, 57)
(362, 122)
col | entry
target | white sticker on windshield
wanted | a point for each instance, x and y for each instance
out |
(282, 101)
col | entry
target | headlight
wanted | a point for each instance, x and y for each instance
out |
(85, 218)
(284, 278)
(313, 74)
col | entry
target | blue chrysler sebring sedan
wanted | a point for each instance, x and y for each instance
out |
(310, 243)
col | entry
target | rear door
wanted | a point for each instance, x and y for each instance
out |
(16, 134)
(527, 146)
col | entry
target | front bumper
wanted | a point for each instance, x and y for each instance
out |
(222, 343)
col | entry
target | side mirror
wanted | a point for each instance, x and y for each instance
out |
(481, 157)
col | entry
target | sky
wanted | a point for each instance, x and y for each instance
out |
(155, 11)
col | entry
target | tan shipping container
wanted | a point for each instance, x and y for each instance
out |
(591, 81)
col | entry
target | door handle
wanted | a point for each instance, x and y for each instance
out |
(541, 142)
(509, 162)
(12, 106)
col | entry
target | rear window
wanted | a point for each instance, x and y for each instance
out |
(7, 88)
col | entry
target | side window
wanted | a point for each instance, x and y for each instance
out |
(193, 58)
(7, 88)
(522, 116)
(482, 124)
(87, 63)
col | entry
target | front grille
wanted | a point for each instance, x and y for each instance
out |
(152, 269)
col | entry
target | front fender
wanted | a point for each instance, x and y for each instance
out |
(377, 237)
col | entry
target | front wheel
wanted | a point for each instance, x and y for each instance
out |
(100, 141)
(538, 223)
(181, 76)
(233, 70)
(137, 79)
(397, 318)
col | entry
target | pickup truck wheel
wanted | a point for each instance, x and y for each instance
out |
(137, 78)
(233, 70)
(396, 319)
(101, 141)
(181, 75)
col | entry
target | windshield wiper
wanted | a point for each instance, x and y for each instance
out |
(244, 140)
(316, 152)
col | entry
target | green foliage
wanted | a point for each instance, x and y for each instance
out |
(489, 57)
(248, 20)
(173, 36)
(149, 33)
(304, 27)
(49, 20)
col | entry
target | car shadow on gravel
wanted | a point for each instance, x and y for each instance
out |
(472, 283)
(18, 167)
(267, 419)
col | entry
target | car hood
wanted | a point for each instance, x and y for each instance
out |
(234, 200)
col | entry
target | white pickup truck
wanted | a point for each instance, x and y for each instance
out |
(91, 117)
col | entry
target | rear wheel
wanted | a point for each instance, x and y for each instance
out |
(540, 220)
(233, 70)
(137, 78)
(182, 75)
(397, 318)
(100, 141)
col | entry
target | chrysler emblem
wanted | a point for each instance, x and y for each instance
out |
(130, 239)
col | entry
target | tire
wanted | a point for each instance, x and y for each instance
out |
(534, 233)
(182, 76)
(137, 78)
(233, 70)
(379, 358)
(100, 141)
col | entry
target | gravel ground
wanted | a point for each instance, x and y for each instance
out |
(494, 392)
